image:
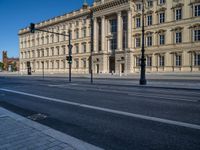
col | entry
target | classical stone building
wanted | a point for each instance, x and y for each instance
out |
(172, 38)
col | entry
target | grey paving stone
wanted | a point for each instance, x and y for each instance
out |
(18, 133)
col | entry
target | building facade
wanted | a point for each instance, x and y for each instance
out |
(172, 38)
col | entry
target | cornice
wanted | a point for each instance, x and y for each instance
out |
(57, 20)
(108, 5)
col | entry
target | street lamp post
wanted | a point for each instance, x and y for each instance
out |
(43, 70)
(92, 46)
(143, 60)
(70, 56)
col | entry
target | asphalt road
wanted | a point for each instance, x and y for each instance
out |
(112, 117)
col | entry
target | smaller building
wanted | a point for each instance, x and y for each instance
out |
(10, 64)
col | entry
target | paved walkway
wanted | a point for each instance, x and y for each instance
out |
(19, 133)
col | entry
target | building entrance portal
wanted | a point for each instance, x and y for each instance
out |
(112, 64)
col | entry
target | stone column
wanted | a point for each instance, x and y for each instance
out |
(119, 31)
(103, 33)
(95, 35)
(129, 29)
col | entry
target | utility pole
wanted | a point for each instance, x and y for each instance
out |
(143, 60)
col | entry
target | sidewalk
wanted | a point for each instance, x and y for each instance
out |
(19, 133)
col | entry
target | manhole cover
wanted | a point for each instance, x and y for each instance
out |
(38, 116)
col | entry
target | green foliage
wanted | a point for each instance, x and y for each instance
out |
(1, 66)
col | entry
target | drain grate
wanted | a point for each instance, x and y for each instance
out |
(38, 116)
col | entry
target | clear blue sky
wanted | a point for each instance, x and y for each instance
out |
(17, 14)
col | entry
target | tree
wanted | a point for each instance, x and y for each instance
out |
(1, 66)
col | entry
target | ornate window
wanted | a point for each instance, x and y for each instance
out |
(113, 25)
(197, 10)
(161, 2)
(137, 40)
(125, 35)
(149, 61)
(138, 7)
(138, 22)
(162, 39)
(178, 59)
(84, 63)
(178, 14)
(196, 35)
(58, 50)
(149, 3)
(77, 48)
(161, 60)
(76, 64)
(197, 59)
(161, 17)
(149, 39)
(137, 61)
(84, 32)
(178, 37)
(84, 47)
(64, 50)
(149, 20)
(77, 33)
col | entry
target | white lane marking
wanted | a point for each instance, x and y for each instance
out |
(155, 119)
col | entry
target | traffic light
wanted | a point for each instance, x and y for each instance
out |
(69, 59)
(32, 28)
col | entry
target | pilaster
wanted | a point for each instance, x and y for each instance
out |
(119, 31)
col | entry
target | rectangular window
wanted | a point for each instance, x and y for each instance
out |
(64, 51)
(77, 64)
(113, 44)
(84, 48)
(77, 48)
(197, 10)
(178, 37)
(138, 7)
(137, 42)
(178, 60)
(162, 2)
(77, 23)
(77, 34)
(138, 22)
(113, 30)
(84, 64)
(125, 35)
(113, 25)
(149, 61)
(197, 59)
(162, 17)
(162, 39)
(84, 21)
(197, 35)
(149, 40)
(137, 61)
(84, 33)
(178, 15)
(149, 20)
(162, 61)
(58, 51)
(150, 3)
(99, 35)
